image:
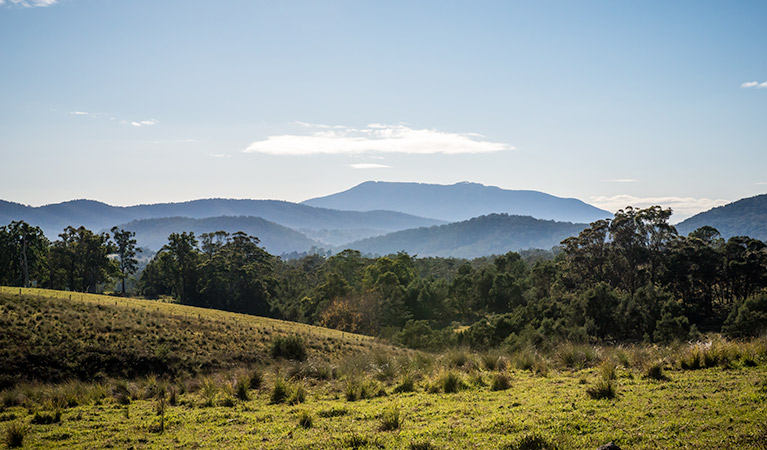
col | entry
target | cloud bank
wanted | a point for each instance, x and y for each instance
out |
(683, 207)
(369, 166)
(756, 84)
(375, 138)
(30, 3)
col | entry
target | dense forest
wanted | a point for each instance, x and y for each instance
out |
(627, 279)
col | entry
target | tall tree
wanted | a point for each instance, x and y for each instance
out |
(23, 249)
(126, 252)
(79, 260)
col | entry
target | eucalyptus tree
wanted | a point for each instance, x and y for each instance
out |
(126, 253)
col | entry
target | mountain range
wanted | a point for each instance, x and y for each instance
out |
(458, 202)
(460, 220)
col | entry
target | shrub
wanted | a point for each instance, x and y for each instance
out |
(209, 391)
(500, 382)
(449, 382)
(46, 418)
(355, 441)
(15, 433)
(391, 420)
(298, 395)
(654, 371)
(334, 412)
(607, 370)
(281, 391)
(305, 419)
(602, 389)
(576, 356)
(531, 441)
(256, 379)
(241, 387)
(289, 347)
(406, 384)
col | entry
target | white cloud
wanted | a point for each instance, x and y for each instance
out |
(30, 3)
(369, 166)
(83, 113)
(143, 123)
(683, 207)
(375, 138)
(756, 84)
(220, 155)
(623, 180)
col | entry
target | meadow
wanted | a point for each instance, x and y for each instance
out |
(212, 379)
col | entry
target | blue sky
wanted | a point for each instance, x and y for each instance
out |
(615, 103)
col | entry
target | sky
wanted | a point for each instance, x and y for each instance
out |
(615, 103)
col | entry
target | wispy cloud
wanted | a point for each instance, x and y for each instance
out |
(81, 113)
(683, 207)
(761, 183)
(220, 155)
(29, 3)
(622, 180)
(143, 123)
(369, 166)
(375, 138)
(756, 84)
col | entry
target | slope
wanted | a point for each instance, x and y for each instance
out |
(745, 217)
(481, 236)
(54, 335)
(459, 201)
(275, 238)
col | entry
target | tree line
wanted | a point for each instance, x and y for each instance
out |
(626, 279)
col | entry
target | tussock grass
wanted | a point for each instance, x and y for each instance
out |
(391, 420)
(14, 435)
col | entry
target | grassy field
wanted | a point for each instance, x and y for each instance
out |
(354, 392)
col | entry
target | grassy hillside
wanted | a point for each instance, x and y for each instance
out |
(55, 335)
(355, 393)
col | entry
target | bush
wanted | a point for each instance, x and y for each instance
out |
(281, 391)
(602, 389)
(289, 347)
(256, 379)
(500, 382)
(46, 418)
(305, 419)
(449, 382)
(655, 371)
(391, 420)
(15, 433)
(406, 384)
(531, 441)
(241, 387)
(749, 318)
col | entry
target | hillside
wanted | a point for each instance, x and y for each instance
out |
(485, 235)
(56, 335)
(275, 238)
(458, 202)
(327, 222)
(745, 217)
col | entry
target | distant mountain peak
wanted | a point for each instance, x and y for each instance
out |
(459, 201)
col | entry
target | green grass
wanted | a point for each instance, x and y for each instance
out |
(521, 400)
(706, 408)
(54, 335)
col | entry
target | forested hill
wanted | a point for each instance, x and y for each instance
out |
(484, 235)
(458, 202)
(745, 217)
(275, 238)
(97, 216)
